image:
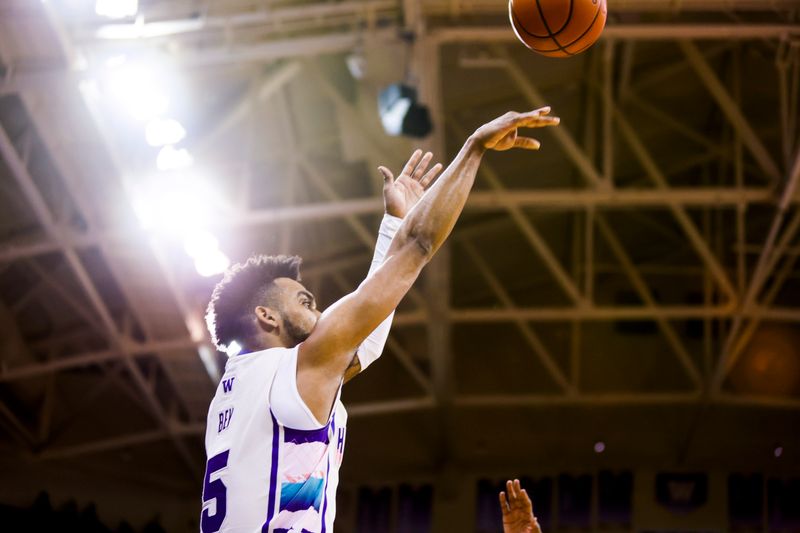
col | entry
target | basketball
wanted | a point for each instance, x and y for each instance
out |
(558, 28)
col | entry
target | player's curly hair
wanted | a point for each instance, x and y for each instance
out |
(244, 286)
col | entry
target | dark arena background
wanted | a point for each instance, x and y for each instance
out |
(615, 320)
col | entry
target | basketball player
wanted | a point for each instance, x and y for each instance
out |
(517, 510)
(275, 431)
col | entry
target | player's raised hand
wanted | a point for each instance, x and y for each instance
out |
(402, 193)
(517, 510)
(501, 133)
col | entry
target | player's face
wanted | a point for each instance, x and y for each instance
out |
(298, 310)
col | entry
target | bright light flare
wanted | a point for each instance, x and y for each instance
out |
(203, 247)
(212, 264)
(174, 204)
(135, 89)
(116, 61)
(161, 132)
(171, 158)
(233, 349)
(200, 243)
(116, 9)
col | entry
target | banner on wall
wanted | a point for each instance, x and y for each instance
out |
(681, 493)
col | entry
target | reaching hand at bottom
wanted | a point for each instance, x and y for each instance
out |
(517, 510)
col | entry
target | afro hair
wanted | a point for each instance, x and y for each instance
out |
(244, 286)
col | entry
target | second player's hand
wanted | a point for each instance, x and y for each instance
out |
(402, 193)
(501, 133)
(517, 510)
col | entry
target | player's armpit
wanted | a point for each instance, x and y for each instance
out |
(353, 370)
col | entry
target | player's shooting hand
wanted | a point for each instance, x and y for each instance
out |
(402, 193)
(501, 133)
(517, 510)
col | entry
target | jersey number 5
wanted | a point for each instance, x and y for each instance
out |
(216, 491)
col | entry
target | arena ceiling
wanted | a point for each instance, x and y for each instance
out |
(634, 281)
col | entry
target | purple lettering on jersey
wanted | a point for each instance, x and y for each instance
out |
(340, 443)
(214, 491)
(225, 419)
(227, 385)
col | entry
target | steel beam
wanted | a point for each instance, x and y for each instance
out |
(358, 410)
(562, 135)
(636, 32)
(552, 199)
(647, 297)
(764, 267)
(42, 211)
(601, 314)
(530, 336)
(593, 399)
(19, 430)
(167, 27)
(46, 81)
(94, 358)
(682, 217)
(262, 89)
(731, 110)
(755, 319)
(532, 236)
(34, 197)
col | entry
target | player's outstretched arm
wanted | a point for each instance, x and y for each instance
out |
(433, 217)
(329, 350)
(517, 510)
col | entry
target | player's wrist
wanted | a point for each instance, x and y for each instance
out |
(391, 222)
(475, 144)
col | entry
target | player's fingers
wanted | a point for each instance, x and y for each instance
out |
(540, 122)
(512, 492)
(527, 143)
(536, 113)
(422, 166)
(432, 174)
(526, 501)
(503, 502)
(412, 162)
(388, 178)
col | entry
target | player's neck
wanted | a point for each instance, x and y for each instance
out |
(265, 342)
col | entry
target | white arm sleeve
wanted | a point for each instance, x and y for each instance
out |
(372, 347)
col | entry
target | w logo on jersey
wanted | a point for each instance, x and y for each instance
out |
(227, 385)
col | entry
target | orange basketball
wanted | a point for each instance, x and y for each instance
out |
(558, 28)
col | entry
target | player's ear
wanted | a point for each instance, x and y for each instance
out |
(268, 318)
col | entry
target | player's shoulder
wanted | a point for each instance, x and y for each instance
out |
(259, 365)
(270, 356)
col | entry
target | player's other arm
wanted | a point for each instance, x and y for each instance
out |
(326, 354)
(400, 195)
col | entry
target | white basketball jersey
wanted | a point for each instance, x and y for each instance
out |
(271, 467)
